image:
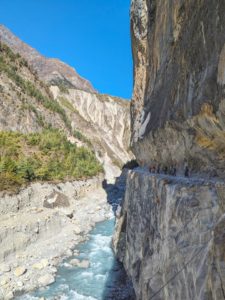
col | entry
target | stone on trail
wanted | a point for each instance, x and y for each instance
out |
(68, 253)
(5, 268)
(20, 284)
(20, 271)
(68, 212)
(76, 230)
(9, 296)
(4, 281)
(41, 265)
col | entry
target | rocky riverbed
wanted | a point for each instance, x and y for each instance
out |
(40, 226)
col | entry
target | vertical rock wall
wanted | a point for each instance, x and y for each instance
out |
(178, 106)
(171, 233)
(171, 237)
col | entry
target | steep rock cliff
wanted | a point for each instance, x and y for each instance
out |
(170, 232)
(104, 119)
(178, 104)
(171, 237)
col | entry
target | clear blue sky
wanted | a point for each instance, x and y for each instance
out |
(93, 36)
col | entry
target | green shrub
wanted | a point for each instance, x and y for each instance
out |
(67, 104)
(8, 65)
(43, 156)
(78, 135)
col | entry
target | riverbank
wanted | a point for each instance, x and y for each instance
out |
(40, 226)
(103, 278)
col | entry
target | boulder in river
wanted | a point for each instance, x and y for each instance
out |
(81, 264)
(46, 279)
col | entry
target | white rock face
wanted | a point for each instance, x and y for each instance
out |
(171, 237)
(105, 120)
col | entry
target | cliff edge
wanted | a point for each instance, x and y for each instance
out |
(170, 230)
(170, 237)
(178, 104)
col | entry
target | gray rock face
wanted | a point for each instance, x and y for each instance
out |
(56, 199)
(171, 237)
(178, 103)
(170, 233)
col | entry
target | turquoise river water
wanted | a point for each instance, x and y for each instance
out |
(98, 282)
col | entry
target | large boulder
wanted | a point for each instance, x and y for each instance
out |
(56, 199)
(46, 279)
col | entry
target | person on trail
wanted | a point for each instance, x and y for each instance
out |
(171, 170)
(186, 171)
(158, 169)
(174, 171)
(153, 169)
(165, 170)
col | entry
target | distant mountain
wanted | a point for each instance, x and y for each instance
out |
(31, 101)
(50, 70)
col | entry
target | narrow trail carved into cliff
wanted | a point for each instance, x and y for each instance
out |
(195, 179)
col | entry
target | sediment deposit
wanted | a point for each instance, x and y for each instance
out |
(35, 237)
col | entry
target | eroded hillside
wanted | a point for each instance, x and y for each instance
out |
(48, 69)
(59, 101)
(26, 102)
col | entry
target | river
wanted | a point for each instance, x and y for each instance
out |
(104, 279)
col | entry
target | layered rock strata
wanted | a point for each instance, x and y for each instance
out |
(170, 237)
(178, 104)
(104, 119)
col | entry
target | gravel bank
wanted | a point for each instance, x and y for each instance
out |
(40, 226)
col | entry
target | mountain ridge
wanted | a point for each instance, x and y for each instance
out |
(101, 119)
(50, 70)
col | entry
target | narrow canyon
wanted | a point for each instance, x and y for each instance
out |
(132, 207)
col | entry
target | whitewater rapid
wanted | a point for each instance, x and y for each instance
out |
(74, 283)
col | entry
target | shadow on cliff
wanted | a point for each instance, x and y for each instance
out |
(116, 191)
(118, 285)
